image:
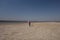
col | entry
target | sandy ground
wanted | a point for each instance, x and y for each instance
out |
(37, 31)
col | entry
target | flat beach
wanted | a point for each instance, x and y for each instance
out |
(37, 31)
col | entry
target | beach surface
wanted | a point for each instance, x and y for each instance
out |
(36, 31)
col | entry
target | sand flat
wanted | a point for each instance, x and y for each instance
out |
(37, 31)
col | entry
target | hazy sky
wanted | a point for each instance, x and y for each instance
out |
(43, 10)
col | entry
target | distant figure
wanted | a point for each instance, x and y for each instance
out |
(29, 23)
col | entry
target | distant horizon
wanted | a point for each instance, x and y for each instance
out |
(26, 20)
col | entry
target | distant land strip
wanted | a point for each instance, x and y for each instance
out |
(25, 21)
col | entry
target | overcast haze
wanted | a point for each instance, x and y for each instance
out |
(39, 10)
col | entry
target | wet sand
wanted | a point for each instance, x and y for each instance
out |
(37, 31)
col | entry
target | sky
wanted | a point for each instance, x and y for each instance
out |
(35, 10)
